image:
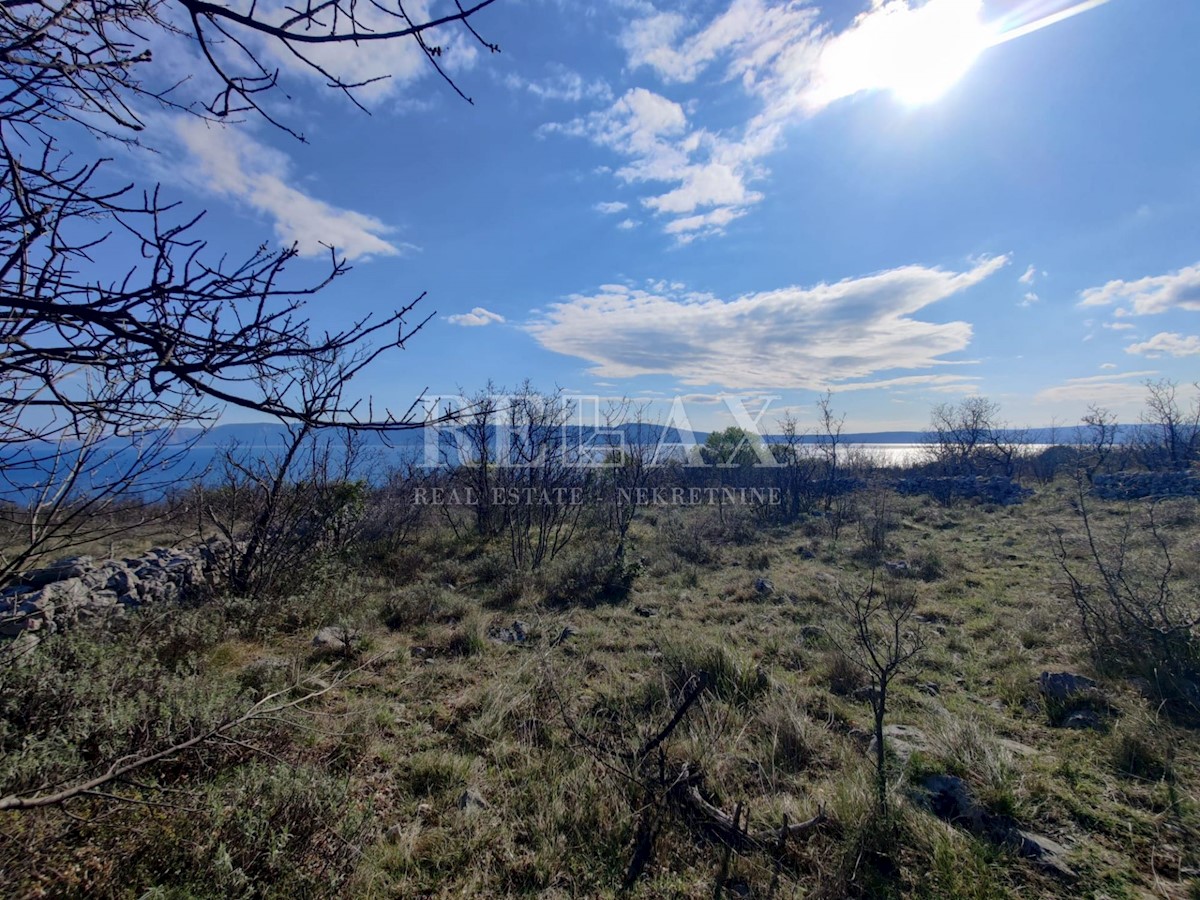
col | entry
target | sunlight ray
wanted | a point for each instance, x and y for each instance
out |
(1006, 34)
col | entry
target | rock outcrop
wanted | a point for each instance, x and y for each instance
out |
(949, 798)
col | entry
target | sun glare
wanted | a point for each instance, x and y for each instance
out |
(915, 53)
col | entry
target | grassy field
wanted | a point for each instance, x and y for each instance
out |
(442, 757)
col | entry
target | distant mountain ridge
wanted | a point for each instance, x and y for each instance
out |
(272, 434)
(199, 451)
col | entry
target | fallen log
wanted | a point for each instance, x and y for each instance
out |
(686, 793)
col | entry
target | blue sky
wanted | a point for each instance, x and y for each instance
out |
(901, 202)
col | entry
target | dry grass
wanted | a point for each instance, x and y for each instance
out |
(538, 729)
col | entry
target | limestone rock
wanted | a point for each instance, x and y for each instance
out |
(517, 633)
(59, 570)
(336, 638)
(950, 798)
(471, 801)
(902, 741)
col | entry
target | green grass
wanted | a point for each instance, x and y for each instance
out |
(358, 794)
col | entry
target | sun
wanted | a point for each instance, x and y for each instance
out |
(917, 54)
(941, 41)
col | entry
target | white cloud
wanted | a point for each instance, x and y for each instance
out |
(792, 66)
(612, 207)
(939, 383)
(1030, 298)
(708, 175)
(227, 161)
(793, 337)
(1169, 343)
(382, 68)
(1119, 326)
(1112, 390)
(1108, 365)
(1150, 295)
(475, 318)
(690, 227)
(755, 37)
(628, 224)
(707, 184)
(564, 85)
(1029, 276)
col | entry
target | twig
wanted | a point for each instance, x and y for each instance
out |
(126, 764)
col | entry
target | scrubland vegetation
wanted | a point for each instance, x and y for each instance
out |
(287, 676)
(599, 699)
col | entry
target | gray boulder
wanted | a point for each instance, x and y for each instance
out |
(59, 570)
(949, 798)
(1064, 687)
(335, 637)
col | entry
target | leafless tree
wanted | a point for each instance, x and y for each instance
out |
(470, 451)
(91, 490)
(796, 472)
(1132, 612)
(282, 509)
(829, 439)
(630, 467)
(392, 515)
(544, 476)
(1170, 434)
(91, 348)
(883, 639)
(174, 326)
(1096, 437)
(970, 438)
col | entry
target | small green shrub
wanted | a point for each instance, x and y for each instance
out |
(1136, 753)
(413, 606)
(843, 676)
(282, 826)
(588, 576)
(469, 637)
(730, 677)
(688, 537)
(794, 740)
(87, 696)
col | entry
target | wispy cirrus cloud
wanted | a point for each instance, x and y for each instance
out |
(476, 318)
(829, 335)
(942, 384)
(1125, 389)
(229, 162)
(563, 84)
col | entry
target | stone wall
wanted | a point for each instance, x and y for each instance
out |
(1146, 485)
(946, 489)
(80, 589)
